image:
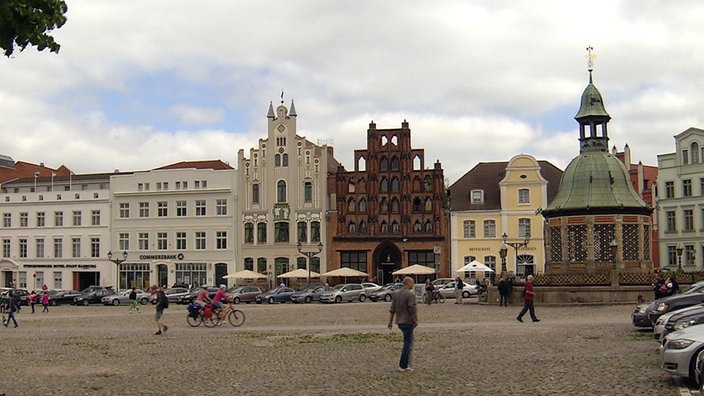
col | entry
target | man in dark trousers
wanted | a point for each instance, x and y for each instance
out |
(403, 306)
(528, 295)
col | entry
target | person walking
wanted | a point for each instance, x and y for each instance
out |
(503, 293)
(429, 291)
(133, 301)
(45, 302)
(403, 306)
(528, 295)
(459, 289)
(32, 299)
(12, 307)
(162, 302)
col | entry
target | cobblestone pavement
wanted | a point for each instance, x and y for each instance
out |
(332, 349)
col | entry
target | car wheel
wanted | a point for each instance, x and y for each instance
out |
(338, 299)
(465, 294)
(85, 303)
(388, 298)
(115, 302)
(52, 303)
(144, 301)
(236, 300)
(270, 300)
(308, 299)
(362, 298)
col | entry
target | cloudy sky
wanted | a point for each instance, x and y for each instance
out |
(141, 84)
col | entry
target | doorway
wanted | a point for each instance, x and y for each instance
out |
(387, 258)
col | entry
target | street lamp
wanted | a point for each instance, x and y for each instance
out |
(516, 245)
(613, 248)
(680, 248)
(502, 252)
(117, 262)
(309, 254)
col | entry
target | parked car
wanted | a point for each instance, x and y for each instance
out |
(191, 296)
(123, 297)
(699, 372)
(692, 296)
(279, 294)
(172, 294)
(641, 315)
(679, 355)
(63, 297)
(309, 295)
(92, 288)
(440, 282)
(386, 293)
(94, 297)
(677, 320)
(448, 290)
(245, 294)
(370, 287)
(344, 292)
(23, 295)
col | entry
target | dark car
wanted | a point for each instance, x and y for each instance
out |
(245, 294)
(386, 293)
(172, 294)
(23, 295)
(279, 294)
(308, 295)
(191, 297)
(62, 297)
(93, 297)
(640, 316)
(692, 296)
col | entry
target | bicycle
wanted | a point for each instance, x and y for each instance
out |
(198, 315)
(234, 316)
(437, 297)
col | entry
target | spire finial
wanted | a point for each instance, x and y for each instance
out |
(590, 61)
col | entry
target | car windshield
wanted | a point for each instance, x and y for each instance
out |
(695, 288)
(338, 287)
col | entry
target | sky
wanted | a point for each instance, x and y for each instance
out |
(142, 84)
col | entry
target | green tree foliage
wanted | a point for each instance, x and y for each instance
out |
(25, 22)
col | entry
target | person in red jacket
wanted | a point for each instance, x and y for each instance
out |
(528, 295)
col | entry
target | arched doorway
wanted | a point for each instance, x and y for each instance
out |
(387, 259)
(525, 265)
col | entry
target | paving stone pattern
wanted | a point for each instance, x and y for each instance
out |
(343, 349)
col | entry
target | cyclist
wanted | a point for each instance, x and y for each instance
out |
(219, 296)
(203, 298)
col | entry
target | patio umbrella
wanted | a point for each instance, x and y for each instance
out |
(345, 272)
(245, 274)
(299, 273)
(415, 269)
(475, 266)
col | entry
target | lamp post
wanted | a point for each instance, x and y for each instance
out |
(515, 245)
(502, 252)
(680, 248)
(613, 248)
(117, 262)
(309, 254)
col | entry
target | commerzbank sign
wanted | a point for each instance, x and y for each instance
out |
(161, 256)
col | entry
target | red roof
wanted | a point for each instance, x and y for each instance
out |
(205, 164)
(24, 170)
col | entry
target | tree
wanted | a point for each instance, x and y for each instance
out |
(25, 22)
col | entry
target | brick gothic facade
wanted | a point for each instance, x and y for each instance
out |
(390, 210)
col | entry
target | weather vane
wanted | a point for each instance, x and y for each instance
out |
(590, 58)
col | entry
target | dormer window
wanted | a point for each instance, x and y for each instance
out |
(477, 196)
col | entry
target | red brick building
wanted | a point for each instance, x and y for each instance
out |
(390, 210)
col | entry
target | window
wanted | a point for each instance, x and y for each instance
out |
(95, 247)
(523, 196)
(394, 205)
(417, 226)
(308, 192)
(669, 189)
(695, 152)
(24, 219)
(75, 247)
(394, 184)
(255, 193)
(354, 260)
(284, 160)
(489, 228)
(670, 221)
(687, 188)
(221, 240)
(281, 191)
(58, 248)
(362, 226)
(200, 240)
(23, 248)
(351, 206)
(351, 227)
(384, 227)
(261, 232)
(685, 157)
(143, 241)
(384, 186)
(6, 248)
(7, 220)
(196, 184)
(40, 247)
(248, 233)
(123, 241)
(469, 228)
(58, 219)
(384, 164)
(428, 205)
(394, 226)
(524, 228)
(394, 163)
(701, 185)
(76, 218)
(162, 239)
(672, 255)
(315, 231)
(302, 231)
(180, 241)
(281, 231)
(688, 220)
(477, 196)
(362, 205)
(124, 210)
(200, 208)
(162, 209)
(181, 210)
(41, 219)
(422, 257)
(221, 207)
(277, 160)
(95, 217)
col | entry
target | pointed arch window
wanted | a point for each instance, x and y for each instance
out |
(395, 205)
(351, 186)
(281, 191)
(394, 164)
(351, 206)
(351, 227)
(362, 205)
(428, 184)
(362, 186)
(417, 205)
(384, 206)
(428, 226)
(428, 205)
(384, 187)
(384, 226)
(395, 227)
(384, 164)
(417, 226)
(394, 184)
(416, 184)
(362, 226)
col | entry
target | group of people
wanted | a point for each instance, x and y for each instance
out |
(34, 298)
(664, 287)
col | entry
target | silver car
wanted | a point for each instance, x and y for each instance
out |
(344, 292)
(123, 297)
(679, 355)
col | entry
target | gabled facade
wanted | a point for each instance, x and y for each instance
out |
(390, 209)
(282, 199)
(680, 202)
(497, 198)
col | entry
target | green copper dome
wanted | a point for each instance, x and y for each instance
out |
(592, 104)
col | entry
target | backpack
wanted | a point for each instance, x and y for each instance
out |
(164, 300)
